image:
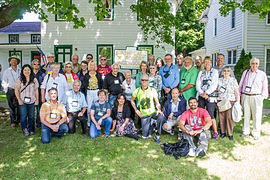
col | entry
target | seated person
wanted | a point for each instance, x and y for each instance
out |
(76, 106)
(100, 115)
(121, 118)
(195, 124)
(148, 103)
(53, 117)
(172, 110)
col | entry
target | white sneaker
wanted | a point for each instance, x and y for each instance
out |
(191, 152)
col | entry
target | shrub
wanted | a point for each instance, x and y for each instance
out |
(242, 64)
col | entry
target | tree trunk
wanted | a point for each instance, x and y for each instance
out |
(9, 13)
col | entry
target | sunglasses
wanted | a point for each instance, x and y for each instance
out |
(144, 79)
(36, 64)
(89, 58)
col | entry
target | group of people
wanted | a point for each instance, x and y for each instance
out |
(164, 96)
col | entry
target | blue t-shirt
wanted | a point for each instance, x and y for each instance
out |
(100, 109)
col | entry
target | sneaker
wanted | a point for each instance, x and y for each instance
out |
(191, 152)
(106, 135)
(172, 132)
(222, 135)
(12, 125)
(180, 135)
(200, 153)
(157, 139)
(25, 132)
(215, 136)
(231, 138)
(32, 133)
(244, 135)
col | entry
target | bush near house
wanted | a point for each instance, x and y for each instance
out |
(242, 64)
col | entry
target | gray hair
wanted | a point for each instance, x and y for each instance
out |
(50, 54)
(254, 59)
(78, 82)
(115, 64)
(35, 60)
(188, 57)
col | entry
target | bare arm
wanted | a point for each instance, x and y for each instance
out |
(237, 94)
(187, 87)
(42, 95)
(17, 94)
(135, 108)
(36, 95)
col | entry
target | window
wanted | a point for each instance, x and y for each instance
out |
(61, 15)
(14, 38)
(109, 7)
(215, 27)
(16, 53)
(214, 59)
(232, 57)
(105, 49)
(62, 53)
(268, 18)
(148, 48)
(268, 61)
(233, 18)
(35, 38)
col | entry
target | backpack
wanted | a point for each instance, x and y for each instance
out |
(180, 148)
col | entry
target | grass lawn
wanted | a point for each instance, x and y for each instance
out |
(266, 103)
(78, 157)
(3, 97)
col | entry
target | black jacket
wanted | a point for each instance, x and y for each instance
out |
(125, 113)
(85, 82)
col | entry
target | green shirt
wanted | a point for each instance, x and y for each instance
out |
(188, 77)
(146, 99)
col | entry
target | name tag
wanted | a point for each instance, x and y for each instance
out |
(27, 99)
(103, 76)
(205, 82)
(183, 81)
(100, 113)
(75, 104)
(49, 72)
(54, 85)
(222, 89)
(248, 89)
(212, 99)
(53, 116)
(116, 81)
(69, 80)
(151, 84)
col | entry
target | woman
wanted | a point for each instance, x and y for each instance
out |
(155, 81)
(206, 86)
(26, 91)
(143, 70)
(227, 89)
(91, 84)
(121, 118)
(159, 63)
(70, 76)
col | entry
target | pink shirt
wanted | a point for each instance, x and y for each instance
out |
(195, 120)
(104, 70)
(254, 83)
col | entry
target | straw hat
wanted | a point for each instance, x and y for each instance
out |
(14, 57)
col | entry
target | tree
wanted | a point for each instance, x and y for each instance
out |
(155, 18)
(242, 64)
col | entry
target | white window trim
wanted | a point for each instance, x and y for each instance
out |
(214, 52)
(231, 49)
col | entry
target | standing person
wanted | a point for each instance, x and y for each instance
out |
(149, 109)
(76, 67)
(39, 75)
(121, 118)
(54, 80)
(179, 61)
(206, 86)
(100, 115)
(143, 70)
(10, 76)
(188, 78)
(70, 75)
(220, 65)
(159, 63)
(103, 68)
(198, 62)
(195, 123)
(89, 57)
(113, 83)
(76, 106)
(53, 117)
(151, 60)
(227, 89)
(253, 88)
(170, 76)
(155, 81)
(83, 71)
(26, 91)
(90, 86)
(47, 68)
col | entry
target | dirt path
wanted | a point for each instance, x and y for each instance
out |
(252, 161)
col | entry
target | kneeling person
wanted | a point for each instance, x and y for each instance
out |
(53, 117)
(76, 106)
(195, 123)
(100, 115)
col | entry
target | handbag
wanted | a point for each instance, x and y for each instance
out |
(237, 112)
(180, 148)
(224, 105)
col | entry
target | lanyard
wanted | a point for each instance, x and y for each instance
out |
(253, 79)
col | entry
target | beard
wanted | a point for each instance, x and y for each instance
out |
(188, 67)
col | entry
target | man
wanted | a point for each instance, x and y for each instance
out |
(172, 111)
(46, 68)
(188, 78)
(220, 65)
(53, 117)
(76, 106)
(198, 62)
(103, 68)
(10, 75)
(148, 104)
(113, 83)
(170, 76)
(54, 80)
(89, 57)
(195, 124)
(84, 70)
(75, 63)
(151, 59)
(39, 75)
(179, 61)
(253, 88)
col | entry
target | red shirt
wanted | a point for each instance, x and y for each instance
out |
(195, 120)
(104, 70)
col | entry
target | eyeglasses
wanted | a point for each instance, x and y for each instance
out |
(68, 67)
(36, 64)
(144, 79)
(89, 58)
(50, 56)
(103, 59)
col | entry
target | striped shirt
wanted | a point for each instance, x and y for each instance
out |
(47, 109)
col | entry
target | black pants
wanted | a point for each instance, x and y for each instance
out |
(210, 106)
(13, 107)
(72, 122)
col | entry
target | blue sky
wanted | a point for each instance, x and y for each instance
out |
(29, 17)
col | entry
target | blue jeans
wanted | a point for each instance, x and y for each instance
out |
(38, 124)
(112, 98)
(46, 132)
(94, 132)
(27, 116)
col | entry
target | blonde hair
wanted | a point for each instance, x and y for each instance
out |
(90, 63)
(127, 72)
(208, 58)
(55, 66)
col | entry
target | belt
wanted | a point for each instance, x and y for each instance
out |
(91, 89)
(10, 88)
(251, 94)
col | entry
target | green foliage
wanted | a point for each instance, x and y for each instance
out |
(242, 64)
